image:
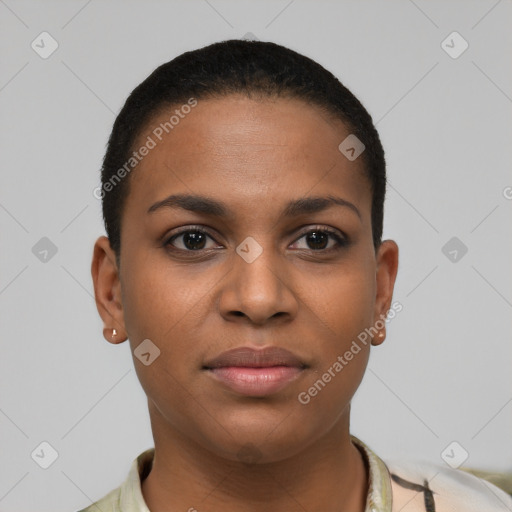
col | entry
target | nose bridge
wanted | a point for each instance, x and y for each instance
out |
(258, 288)
(256, 266)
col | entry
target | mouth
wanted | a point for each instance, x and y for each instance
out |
(258, 373)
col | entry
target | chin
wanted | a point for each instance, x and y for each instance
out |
(262, 440)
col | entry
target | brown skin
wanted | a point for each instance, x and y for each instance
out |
(254, 156)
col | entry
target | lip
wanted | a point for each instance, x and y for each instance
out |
(255, 358)
(255, 372)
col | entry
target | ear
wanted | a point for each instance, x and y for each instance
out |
(107, 291)
(387, 267)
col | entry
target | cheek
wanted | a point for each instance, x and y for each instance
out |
(160, 304)
(164, 304)
(158, 298)
(344, 346)
(343, 301)
(343, 310)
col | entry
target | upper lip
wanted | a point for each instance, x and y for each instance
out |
(255, 358)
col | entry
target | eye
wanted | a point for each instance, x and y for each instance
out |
(191, 239)
(317, 239)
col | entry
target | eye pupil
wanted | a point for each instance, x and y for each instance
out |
(191, 238)
(314, 236)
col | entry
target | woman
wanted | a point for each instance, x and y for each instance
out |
(243, 190)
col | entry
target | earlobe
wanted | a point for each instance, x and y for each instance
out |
(113, 336)
(107, 291)
(379, 338)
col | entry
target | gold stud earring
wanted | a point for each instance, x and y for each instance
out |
(114, 333)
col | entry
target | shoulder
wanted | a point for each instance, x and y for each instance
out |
(128, 496)
(428, 487)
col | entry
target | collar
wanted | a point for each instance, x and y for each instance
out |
(379, 489)
(379, 497)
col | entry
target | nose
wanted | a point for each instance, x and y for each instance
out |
(258, 290)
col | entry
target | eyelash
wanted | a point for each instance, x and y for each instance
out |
(341, 241)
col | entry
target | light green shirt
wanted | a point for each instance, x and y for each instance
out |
(392, 488)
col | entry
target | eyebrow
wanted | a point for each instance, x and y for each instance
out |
(205, 205)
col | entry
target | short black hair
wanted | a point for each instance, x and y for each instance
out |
(235, 66)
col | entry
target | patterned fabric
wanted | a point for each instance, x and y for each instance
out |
(393, 487)
(432, 488)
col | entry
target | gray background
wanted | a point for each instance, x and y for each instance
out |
(443, 374)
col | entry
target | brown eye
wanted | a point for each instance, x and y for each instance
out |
(189, 240)
(318, 240)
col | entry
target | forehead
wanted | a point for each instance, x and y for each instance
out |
(247, 149)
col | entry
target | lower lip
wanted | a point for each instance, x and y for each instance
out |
(256, 381)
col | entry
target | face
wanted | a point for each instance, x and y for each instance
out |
(252, 262)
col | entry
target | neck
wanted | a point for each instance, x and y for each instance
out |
(330, 474)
